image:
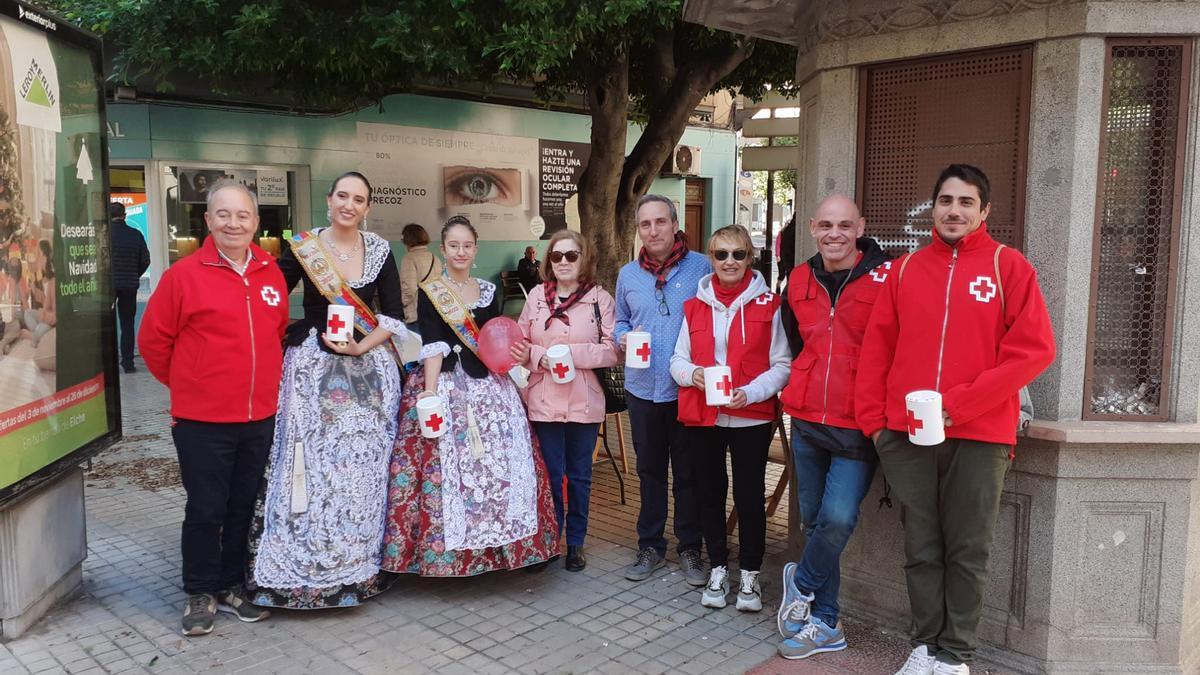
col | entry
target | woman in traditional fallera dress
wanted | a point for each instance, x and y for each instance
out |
(476, 499)
(318, 527)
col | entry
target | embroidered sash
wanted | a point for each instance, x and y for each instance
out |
(315, 260)
(456, 315)
(452, 310)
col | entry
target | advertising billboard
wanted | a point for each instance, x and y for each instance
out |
(511, 187)
(58, 387)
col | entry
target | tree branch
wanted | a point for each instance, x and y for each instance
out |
(662, 66)
(668, 119)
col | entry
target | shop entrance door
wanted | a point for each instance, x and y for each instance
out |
(693, 213)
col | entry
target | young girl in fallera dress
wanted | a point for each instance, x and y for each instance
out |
(476, 499)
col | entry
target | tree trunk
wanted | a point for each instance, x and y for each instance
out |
(666, 123)
(608, 101)
(612, 184)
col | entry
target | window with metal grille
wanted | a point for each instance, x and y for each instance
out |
(1142, 133)
(917, 117)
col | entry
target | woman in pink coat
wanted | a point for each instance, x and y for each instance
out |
(568, 309)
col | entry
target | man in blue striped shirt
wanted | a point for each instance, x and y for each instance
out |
(650, 295)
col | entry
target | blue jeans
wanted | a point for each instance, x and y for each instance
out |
(830, 489)
(567, 449)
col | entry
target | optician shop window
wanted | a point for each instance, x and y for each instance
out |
(282, 202)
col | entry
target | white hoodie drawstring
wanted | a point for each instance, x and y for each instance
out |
(742, 316)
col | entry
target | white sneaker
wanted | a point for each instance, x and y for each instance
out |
(940, 668)
(920, 662)
(717, 588)
(749, 597)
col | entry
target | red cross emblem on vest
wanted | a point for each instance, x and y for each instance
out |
(336, 324)
(879, 274)
(914, 423)
(434, 422)
(560, 370)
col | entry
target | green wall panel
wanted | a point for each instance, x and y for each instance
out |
(327, 146)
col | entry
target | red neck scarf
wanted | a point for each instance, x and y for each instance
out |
(678, 251)
(726, 296)
(559, 310)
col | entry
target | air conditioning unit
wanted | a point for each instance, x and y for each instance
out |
(684, 161)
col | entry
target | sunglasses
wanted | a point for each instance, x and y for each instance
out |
(738, 255)
(557, 256)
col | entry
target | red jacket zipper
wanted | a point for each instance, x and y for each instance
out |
(945, 321)
(829, 355)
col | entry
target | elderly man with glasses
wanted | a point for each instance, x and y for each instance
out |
(650, 295)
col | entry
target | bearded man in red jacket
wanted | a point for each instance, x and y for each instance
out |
(212, 333)
(964, 317)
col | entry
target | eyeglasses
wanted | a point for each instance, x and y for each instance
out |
(557, 256)
(661, 296)
(738, 255)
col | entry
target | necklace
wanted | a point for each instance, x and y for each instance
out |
(344, 257)
(462, 285)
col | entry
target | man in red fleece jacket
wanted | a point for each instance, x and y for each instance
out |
(962, 316)
(212, 333)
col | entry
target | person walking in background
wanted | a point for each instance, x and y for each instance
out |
(130, 260)
(829, 300)
(417, 266)
(529, 271)
(212, 333)
(650, 295)
(785, 247)
(568, 309)
(733, 321)
(962, 317)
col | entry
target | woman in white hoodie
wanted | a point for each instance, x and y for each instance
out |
(733, 321)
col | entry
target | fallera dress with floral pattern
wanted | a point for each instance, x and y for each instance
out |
(454, 509)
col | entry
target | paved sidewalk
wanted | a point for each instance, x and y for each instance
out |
(126, 617)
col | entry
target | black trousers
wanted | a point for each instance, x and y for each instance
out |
(222, 469)
(748, 447)
(126, 310)
(660, 443)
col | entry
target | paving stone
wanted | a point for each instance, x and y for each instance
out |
(126, 615)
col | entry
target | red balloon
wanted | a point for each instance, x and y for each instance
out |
(496, 339)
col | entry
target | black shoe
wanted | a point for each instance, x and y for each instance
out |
(693, 569)
(575, 560)
(647, 561)
(199, 613)
(129, 368)
(234, 601)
